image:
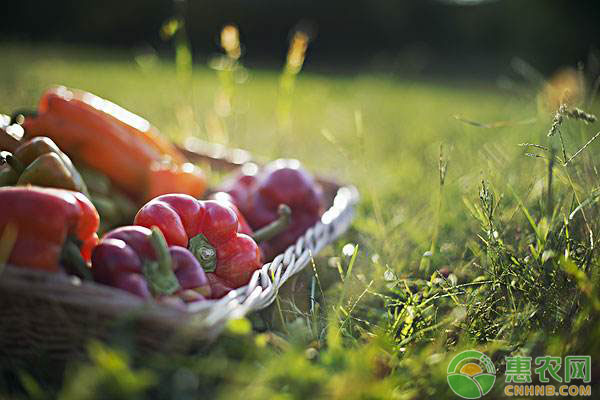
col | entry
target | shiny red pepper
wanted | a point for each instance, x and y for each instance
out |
(50, 227)
(227, 200)
(211, 231)
(138, 260)
(258, 194)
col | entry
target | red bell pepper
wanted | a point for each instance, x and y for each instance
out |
(53, 227)
(259, 193)
(211, 231)
(227, 199)
(138, 260)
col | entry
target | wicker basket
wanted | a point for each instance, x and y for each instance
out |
(56, 314)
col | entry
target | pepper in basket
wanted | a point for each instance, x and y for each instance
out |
(259, 192)
(138, 260)
(46, 228)
(212, 231)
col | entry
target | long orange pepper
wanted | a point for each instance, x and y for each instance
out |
(120, 144)
(136, 125)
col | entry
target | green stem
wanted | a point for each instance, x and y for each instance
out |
(159, 243)
(72, 259)
(275, 227)
(159, 273)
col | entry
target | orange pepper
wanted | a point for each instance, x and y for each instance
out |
(120, 144)
(163, 178)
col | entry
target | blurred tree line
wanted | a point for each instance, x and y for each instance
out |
(413, 34)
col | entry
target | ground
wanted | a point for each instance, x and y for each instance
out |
(444, 186)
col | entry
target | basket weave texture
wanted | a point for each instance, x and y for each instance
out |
(56, 314)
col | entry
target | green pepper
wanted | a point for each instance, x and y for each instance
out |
(8, 176)
(40, 162)
(115, 207)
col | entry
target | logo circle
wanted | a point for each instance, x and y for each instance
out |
(471, 374)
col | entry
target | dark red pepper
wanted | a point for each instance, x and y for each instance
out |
(138, 260)
(258, 194)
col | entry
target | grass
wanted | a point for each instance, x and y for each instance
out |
(445, 187)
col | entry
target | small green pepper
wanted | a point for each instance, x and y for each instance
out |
(40, 162)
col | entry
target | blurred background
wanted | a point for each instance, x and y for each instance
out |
(414, 36)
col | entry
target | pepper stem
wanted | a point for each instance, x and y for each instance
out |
(204, 252)
(15, 164)
(71, 258)
(159, 273)
(275, 227)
